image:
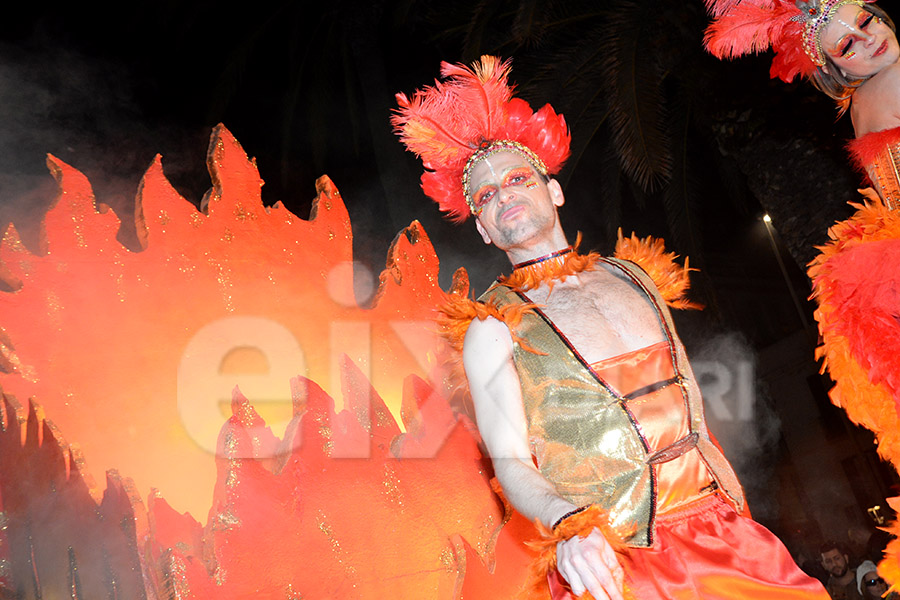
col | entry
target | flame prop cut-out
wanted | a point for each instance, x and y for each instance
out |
(136, 356)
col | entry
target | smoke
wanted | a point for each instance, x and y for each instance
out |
(84, 111)
(739, 414)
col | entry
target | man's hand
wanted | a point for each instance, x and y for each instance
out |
(590, 564)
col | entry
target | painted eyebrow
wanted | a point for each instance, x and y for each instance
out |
(839, 45)
(507, 170)
(483, 185)
(511, 170)
(503, 175)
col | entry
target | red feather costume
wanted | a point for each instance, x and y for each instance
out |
(855, 278)
(856, 282)
(791, 29)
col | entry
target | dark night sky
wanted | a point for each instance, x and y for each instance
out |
(106, 91)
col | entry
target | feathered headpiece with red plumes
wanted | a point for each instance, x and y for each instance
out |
(791, 29)
(471, 114)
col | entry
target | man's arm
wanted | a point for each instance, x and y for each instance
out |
(586, 563)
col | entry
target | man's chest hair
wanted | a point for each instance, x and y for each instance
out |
(601, 313)
(597, 292)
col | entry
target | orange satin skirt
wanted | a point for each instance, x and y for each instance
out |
(706, 550)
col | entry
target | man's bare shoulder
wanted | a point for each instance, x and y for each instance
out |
(488, 361)
(486, 333)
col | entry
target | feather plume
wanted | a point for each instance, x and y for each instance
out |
(865, 150)
(445, 120)
(483, 92)
(748, 28)
(855, 282)
(720, 7)
(549, 137)
(856, 287)
(456, 314)
(550, 271)
(790, 59)
(420, 127)
(857, 293)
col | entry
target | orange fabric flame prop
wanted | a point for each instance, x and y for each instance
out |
(118, 346)
(235, 294)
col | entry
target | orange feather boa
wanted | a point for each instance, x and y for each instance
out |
(672, 280)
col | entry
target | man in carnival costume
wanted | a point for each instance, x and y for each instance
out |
(582, 390)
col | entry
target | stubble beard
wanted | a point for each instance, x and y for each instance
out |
(521, 231)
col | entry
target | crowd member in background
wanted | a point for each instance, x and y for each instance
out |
(842, 583)
(870, 585)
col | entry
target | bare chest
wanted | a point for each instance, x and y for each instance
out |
(602, 314)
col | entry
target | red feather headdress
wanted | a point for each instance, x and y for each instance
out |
(469, 115)
(791, 29)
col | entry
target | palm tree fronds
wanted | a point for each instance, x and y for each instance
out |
(638, 115)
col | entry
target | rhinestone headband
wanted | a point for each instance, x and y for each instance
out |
(489, 149)
(816, 14)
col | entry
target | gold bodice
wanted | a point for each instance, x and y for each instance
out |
(884, 174)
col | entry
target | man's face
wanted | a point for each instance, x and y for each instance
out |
(835, 562)
(516, 204)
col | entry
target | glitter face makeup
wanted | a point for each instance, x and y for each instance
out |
(857, 31)
(519, 176)
(487, 151)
